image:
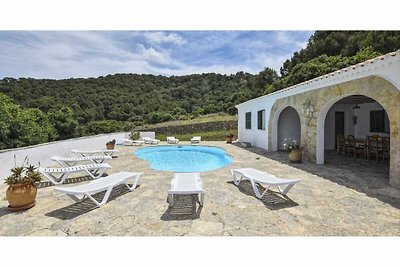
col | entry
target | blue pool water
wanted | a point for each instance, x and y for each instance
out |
(184, 158)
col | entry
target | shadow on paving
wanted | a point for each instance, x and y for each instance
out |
(184, 208)
(368, 177)
(271, 200)
(4, 211)
(74, 210)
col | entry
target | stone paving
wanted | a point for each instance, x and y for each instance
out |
(329, 201)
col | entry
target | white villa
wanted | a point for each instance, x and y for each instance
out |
(360, 100)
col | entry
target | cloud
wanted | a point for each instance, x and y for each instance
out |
(65, 54)
(292, 38)
(151, 55)
(162, 37)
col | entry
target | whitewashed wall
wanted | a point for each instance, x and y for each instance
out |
(256, 137)
(41, 154)
(362, 128)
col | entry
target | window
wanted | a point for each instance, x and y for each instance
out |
(260, 119)
(248, 120)
(377, 120)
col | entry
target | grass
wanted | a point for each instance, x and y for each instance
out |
(201, 119)
(205, 136)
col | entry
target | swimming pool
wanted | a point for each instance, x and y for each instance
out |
(184, 158)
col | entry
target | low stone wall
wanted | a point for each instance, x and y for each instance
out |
(41, 154)
(192, 128)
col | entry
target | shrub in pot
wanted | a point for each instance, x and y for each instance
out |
(110, 144)
(134, 136)
(22, 190)
(295, 151)
(229, 138)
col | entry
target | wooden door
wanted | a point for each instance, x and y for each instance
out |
(339, 125)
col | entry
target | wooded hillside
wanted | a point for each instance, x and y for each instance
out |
(67, 108)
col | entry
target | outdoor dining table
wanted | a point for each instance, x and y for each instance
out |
(362, 142)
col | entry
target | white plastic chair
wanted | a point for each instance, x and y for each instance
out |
(264, 178)
(172, 140)
(151, 141)
(81, 192)
(69, 162)
(186, 184)
(93, 170)
(196, 139)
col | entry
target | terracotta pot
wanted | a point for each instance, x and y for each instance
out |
(110, 146)
(295, 156)
(21, 196)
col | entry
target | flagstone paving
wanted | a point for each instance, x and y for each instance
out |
(330, 200)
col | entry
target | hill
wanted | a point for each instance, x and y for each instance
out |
(69, 108)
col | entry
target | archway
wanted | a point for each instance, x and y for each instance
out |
(313, 106)
(357, 115)
(288, 127)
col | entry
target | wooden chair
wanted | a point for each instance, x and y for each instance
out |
(352, 146)
(341, 144)
(385, 149)
(373, 148)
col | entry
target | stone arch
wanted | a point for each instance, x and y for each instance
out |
(380, 90)
(312, 107)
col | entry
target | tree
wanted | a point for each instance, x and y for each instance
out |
(156, 117)
(22, 127)
(266, 77)
(64, 122)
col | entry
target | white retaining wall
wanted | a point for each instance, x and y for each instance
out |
(41, 154)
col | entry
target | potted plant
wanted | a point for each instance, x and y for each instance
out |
(22, 190)
(229, 138)
(134, 136)
(295, 153)
(110, 144)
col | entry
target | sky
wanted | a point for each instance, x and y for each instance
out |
(66, 54)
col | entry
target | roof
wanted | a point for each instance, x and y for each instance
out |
(333, 77)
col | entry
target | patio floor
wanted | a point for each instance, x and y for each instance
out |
(336, 199)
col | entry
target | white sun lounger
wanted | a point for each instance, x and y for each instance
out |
(264, 178)
(129, 142)
(172, 140)
(196, 139)
(148, 140)
(69, 162)
(186, 184)
(93, 170)
(104, 152)
(107, 184)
